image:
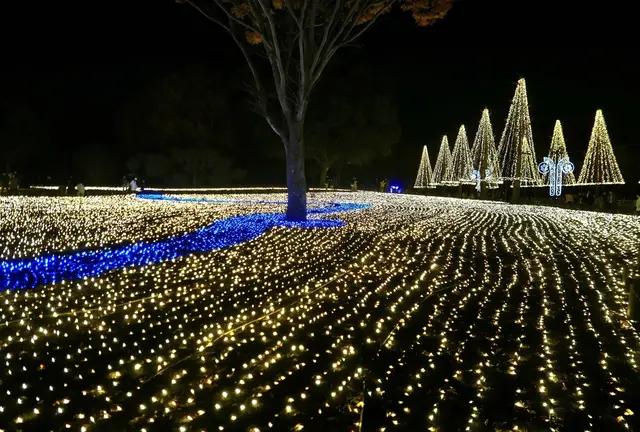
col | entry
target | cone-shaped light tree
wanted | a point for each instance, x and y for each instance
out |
(425, 175)
(442, 170)
(298, 39)
(484, 153)
(557, 151)
(517, 166)
(461, 164)
(600, 165)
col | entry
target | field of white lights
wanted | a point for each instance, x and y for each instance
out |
(382, 312)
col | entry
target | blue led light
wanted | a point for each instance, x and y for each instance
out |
(54, 268)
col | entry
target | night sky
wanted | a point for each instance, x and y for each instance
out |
(77, 62)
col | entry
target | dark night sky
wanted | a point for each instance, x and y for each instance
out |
(81, 60)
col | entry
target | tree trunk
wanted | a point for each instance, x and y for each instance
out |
(296, 181)
(515, 197)
(324, 170)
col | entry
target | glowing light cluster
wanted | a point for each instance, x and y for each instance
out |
(555, 170)
(35, 225)
(187, 190)
(419, 313)
(425, 175)
(558, 151)
(484, 153)
(516, 148)
(600, 165)
(442, 171)
(461, 164)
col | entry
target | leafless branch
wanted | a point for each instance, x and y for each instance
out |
(208, 16)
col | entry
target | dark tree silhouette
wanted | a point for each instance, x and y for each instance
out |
(352, 120)
(299, 38)
(23, 136)
(177, 130)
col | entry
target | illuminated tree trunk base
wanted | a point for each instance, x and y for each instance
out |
(296, 181)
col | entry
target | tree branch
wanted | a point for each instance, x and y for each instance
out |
(325, 37)
(349, 38)
(231, 17)
(206, 15)
(261, 92)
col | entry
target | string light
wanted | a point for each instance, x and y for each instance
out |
(558, 151)
(264, 189)
(484, 151)
(425, 176)
(461, 165)
(52, 268)
(493, 317)
(442, 172)
(555, 170)
(600, 165)
(517, 132)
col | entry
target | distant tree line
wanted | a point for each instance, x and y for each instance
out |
(194, 128)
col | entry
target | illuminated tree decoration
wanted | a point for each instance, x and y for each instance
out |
(461, 165)
(425, 175)
(555, 170)
(442, 170)
(600, 165)
(478, 179)
(557, 152)
(517, 132)
(484, 151)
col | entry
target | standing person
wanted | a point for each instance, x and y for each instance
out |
(80, 188)
(70, 187)
(4, 183)
(133, 186)
(638, 204)
(13, 183)
(354, 185)
(613, 202)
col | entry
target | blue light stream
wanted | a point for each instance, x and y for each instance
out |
(56, 267)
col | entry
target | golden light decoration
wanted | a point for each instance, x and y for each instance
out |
(484, 150)
(600, 165)
(461, 164)
(424, 179)
(557, 151)
(517, 132)
(442, 173)
(420, 313)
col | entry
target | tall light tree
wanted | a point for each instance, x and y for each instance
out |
(557, 151)
(518, 166)
(484, 153)
(425, 175)
(600, 165)
(442, 169)
(299, 38)
(461, 164)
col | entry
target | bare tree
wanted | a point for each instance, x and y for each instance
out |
(299, 38)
